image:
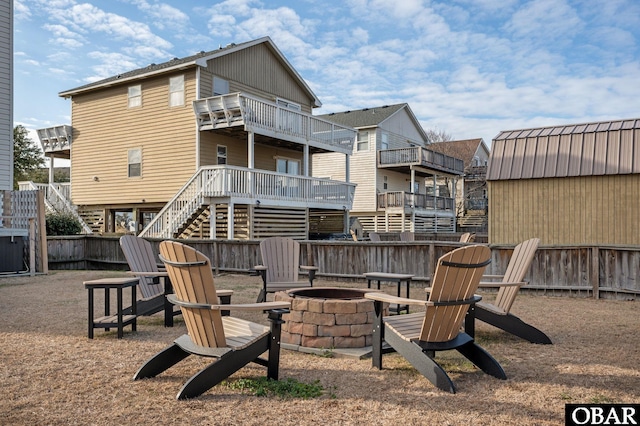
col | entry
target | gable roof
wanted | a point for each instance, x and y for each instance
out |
(199, 59)
(372, 117)
(588, 149)
(462, 149)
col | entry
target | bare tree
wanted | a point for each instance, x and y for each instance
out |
(434, 135)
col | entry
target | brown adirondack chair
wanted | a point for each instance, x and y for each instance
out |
(407, 236)
(281, 266)
(418, 336)
(467, 237)
(498, 313)
(233, 342)
(143, 264)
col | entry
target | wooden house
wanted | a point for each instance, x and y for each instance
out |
(215, 145)
(567, 184)
(471, 193)
(6, 97)
(402, 184)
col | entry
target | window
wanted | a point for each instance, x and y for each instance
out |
(222, 154)
(135, 96)
(384, 141)
(288, 166)
(415, 189)
(220, 86)
(385, 181)
(176, 91)
(363, 141)
(134, 162)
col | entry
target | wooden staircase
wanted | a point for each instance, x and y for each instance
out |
(476, 219)
(197, 225)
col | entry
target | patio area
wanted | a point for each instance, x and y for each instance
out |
(51, 373)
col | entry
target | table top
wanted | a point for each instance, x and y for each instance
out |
(112, 282)
(387, 275)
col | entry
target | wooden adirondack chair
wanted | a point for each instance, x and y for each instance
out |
(407, 236)
(374, 236)
(142, 263)
(281, 266)
(498, 313)
(233, 342)
(419, 335)
(467, 237)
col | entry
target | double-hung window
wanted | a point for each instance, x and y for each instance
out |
(363, 141)
(222, 154)
(135, 96)
(176, 91)
(220, 86)
(134, 162)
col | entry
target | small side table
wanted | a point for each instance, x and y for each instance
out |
(394, 278)
(119, 319)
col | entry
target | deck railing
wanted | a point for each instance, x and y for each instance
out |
(247, 186)
(402, 199)
(420, 156)
(269, 118)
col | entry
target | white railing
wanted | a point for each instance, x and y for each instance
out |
(272, 119)
(56, 138)
(248, 186)
(423, 156)
(57, 198)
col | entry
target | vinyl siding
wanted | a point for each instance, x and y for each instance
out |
(6, 95)
(591, 210)
(105, 129)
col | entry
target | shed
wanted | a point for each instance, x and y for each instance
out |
(567, 184)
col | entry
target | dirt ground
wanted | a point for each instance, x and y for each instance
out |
(52, 374)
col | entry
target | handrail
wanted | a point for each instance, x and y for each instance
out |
(422, 156)
(392, 199)
(262, 115)
(246, 186)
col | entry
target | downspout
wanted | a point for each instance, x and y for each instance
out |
(197, 162)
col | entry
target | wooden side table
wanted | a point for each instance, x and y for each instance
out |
(394, 278)
(118, 320)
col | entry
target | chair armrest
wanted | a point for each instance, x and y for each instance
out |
(309, 268)
(221, 293)
(148, 274)
(486, 284)
(260, 268)
(492, 277)
(265, 306)
(387, 298)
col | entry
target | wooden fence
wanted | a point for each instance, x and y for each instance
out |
(608, 272)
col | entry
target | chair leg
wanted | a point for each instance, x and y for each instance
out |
(273, 365)
(481, 359)
(219, 370)
(378, 336)
(426, 365)
(262, 297)
(514, 325)
(161, 361)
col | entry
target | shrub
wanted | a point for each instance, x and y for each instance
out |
(62, 224)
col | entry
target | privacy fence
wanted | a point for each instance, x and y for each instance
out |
(607, 272)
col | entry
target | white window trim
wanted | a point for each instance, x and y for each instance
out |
(136, 98)
(221, 84)
(289, 159)
(218, 156)
(181, 91)
(359, 142)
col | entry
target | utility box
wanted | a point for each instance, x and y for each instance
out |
(12, 254)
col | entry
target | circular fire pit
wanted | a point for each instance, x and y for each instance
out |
(327, 317)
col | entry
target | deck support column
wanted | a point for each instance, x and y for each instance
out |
(305, 160)
(230, 221)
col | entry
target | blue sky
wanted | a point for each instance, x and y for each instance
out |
(470, 68)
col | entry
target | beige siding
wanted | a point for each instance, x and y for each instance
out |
(105, 129)
(236, 149)
(255, 71)
(575, 210)
(402, 129)
(265, 157)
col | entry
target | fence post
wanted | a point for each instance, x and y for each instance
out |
(595, 272)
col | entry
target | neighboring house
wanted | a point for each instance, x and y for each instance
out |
(402, 184)
(568, 184)
(6, 96)
(471, 193)
(214, 145)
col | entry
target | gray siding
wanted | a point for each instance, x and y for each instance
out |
(6, 95)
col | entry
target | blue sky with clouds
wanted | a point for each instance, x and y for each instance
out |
(470, 68)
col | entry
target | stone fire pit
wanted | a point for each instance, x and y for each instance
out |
(327, 317)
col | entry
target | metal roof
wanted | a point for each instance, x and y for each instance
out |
(588, 149)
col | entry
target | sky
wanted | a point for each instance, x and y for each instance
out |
(468, 68)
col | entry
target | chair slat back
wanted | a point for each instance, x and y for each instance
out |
(517, 268)
(141, 258)
(281, 256)
(374, 236)
(467, 237)
(456, 277)
(194, 283)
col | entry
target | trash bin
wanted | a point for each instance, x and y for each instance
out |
(12, 254)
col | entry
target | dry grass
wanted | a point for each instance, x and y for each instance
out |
(51, 373)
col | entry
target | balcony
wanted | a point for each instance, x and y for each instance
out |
(408, 202)
(56, 140)
(239, 185)
(268, 119)
(403, 158)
